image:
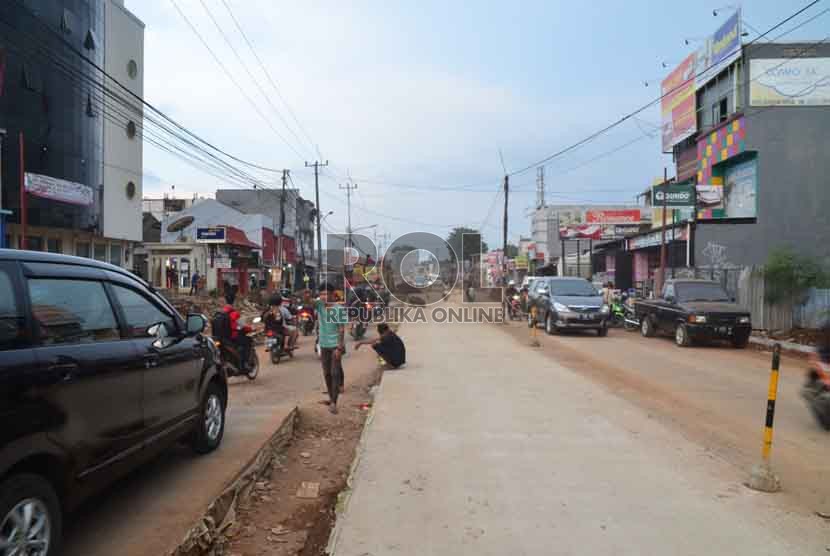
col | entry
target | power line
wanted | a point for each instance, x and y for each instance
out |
(612, 125)
(245, 67)
(233, 80)
(270, 78)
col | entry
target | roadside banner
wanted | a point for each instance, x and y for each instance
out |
(521, 262)
(58, 189)
(581, 231)
(618, 216)
(679, 119)
(673, 195)
(789, 82)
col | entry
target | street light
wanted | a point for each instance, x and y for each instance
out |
(364, 227)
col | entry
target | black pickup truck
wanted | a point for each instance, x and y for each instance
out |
(694, 310)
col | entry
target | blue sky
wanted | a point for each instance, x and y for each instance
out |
(426, 93)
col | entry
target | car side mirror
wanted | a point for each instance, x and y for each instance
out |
(196, 324)
(160, 333)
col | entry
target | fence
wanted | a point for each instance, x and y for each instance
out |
(815, 310)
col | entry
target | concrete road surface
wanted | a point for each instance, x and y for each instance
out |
(483, 445)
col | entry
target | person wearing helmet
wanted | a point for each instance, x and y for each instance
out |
(511, 289)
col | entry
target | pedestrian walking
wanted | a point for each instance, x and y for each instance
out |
(194, 283)
(332, 327)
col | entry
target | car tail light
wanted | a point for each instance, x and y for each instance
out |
(270, 333)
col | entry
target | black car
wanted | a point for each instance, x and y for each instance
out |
(98, 373)
(563, 303)
(694, 310)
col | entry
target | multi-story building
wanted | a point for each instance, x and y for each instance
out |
(81, 149)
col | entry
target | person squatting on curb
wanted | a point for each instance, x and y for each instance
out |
(388, 345)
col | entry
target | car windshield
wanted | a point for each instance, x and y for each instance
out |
(700, 292)
(575, 288)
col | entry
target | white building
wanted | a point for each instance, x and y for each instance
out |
(123, 153)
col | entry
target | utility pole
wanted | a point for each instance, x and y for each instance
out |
(317, 165)
(659, 284)
(282, 227)
(23, 208)
(349, 187)
(504, 239)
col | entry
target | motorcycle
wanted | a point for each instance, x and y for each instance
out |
(305, 319)
(367, 310)
(514, 307)
(227, 355)
(816, 391)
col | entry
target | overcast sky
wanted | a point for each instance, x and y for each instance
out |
(425, 94)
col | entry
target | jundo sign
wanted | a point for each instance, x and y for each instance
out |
(673, 196)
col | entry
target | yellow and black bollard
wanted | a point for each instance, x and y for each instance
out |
(762, 477)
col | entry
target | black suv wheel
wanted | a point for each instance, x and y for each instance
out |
(211, 425)
(30, 518)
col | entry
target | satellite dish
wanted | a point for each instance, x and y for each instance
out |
(180, 224)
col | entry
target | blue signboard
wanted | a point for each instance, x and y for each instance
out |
(211, 234)
(726, 42)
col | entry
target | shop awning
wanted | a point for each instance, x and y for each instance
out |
(237, 237)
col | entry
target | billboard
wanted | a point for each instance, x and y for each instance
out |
(719, 50)
(581, 231)
(59, 190)
(614, 216)
(789, 82)
(211, 234)
(677, 105)
(673, 196)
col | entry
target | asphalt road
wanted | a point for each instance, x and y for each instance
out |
(714, 395)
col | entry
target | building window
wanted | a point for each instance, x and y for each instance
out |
(131, 129)
(82, 249)
(132, 69)
(101, 252)
(90, 42)
(115, 254)
(724, 109)
(67, 21)
(130, 190)
(54, 245)
(33, 243)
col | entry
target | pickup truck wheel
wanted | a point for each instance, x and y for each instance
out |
(740, 341)
(30, 516)
(646, 328)
(681, 336)
(211, 425)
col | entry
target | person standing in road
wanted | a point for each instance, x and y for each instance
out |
(194, 283)
(332, 318)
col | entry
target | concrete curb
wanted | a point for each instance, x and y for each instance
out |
(786, 346)
(345, 495)
(207, 536)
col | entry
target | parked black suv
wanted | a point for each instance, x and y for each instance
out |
(98, 373)
(564, 303)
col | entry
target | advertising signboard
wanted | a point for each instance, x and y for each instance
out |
(521, 262)
(619, 216)
(719, 50)
(673, 196)
(789, 82)
(211, 234)
(59, 190)
(581, 231)
(654, 238)
(679, 120)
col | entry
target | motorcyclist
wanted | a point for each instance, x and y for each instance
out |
(272, 316)
(239, 335)
(291, 331)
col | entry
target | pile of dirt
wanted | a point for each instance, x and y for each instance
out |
(206, 305)
(293, 510)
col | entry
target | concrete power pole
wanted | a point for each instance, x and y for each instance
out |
(349, 187)
(540, 187)
(282, 226)
(504, 242)
(317, 165)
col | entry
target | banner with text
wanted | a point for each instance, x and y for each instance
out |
(789, 82)
(679, 120)
(59, 190)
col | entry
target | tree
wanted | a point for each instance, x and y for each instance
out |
(470, 242)
(788, 275)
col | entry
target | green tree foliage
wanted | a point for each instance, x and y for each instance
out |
(471, 246)
(788, 275)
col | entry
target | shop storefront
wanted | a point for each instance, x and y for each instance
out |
(645, 251)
